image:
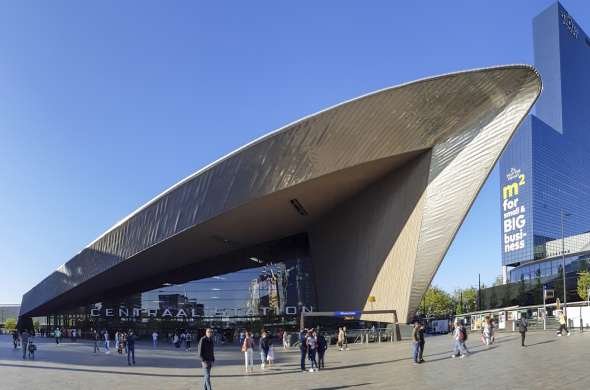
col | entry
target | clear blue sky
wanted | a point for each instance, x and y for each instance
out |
(103, 105)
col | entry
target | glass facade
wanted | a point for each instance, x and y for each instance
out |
(545, 171)
(265, 292)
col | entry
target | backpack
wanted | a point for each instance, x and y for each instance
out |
(522, 327)
(463, 333)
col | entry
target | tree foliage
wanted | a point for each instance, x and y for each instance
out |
(437, 302)
(10, 324)
(583, 284)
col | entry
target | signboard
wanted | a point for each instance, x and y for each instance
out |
(347, 314)
(514, 212)
(549, 294)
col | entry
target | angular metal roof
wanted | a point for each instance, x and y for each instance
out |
(242, 199)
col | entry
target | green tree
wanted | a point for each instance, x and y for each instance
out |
(583, 284)
(10, 324)
(437, 302)
(470, 299)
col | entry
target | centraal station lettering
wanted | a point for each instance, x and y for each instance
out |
(138, 312)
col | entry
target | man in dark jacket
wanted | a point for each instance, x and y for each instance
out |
(303, 347)
(130, 348)
(205, 350)
(523, 327)
(421, 343)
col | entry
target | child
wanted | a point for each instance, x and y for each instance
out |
(32, 348)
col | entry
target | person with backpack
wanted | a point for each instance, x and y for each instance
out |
(523, 327)
(459, 337)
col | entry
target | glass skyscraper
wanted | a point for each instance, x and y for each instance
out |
(545, 171)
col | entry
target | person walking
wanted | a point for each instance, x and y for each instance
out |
(264, 345)
(130, 344)
(340, 339)
(523, 327)
(188, 341)
(15, 340)
(96, 338)
(344, 338)
(31, 348)
(155, 339)
(322, 348)
(24, 342)
(312, 350)
(117, 345)
(416, 343)
(248, 349)
(207, 356)
(285, 340)
(487, 331)
(303, 347)
(57, 335)
(459, 337)
(106, 342)
(562, 324)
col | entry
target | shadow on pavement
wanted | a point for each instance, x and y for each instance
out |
(342, 387)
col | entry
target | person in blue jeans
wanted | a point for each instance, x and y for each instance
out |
(312, 344)
(416, 343)
(303, 347)
(130, 348)
(206, 353)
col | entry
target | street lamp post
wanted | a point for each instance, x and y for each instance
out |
(563, 262)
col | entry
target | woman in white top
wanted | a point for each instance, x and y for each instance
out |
(248, 349)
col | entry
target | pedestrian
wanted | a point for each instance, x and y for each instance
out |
(487, 331)
(155, 339)
(207, 356)
(312, 345)
(416, 342)
(248, 349)
(344, 338)
(422, 342)
(117, 345)
(562, 324)
(303, 347)
(189, 340)
(340, 339)
(459, 338)
(264, 345)
(130, 347)
(242, 336)
(286, 340)
(24, 342)
(15, 341)
(523, 327)
(176, 340)
(322, 348)
(31, 348)
(57, 335)
(96, 338)
(106, 342)
(270, 357)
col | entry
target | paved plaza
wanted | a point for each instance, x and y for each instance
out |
(547, 362)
